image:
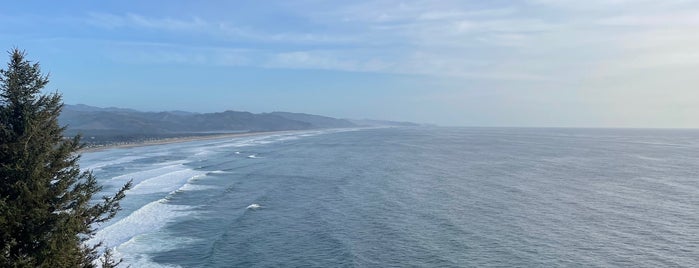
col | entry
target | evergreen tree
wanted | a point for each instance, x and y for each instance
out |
(46, 208)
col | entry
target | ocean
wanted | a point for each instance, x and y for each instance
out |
(409, 197)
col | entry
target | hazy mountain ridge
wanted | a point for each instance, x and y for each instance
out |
(316, 120)
(104, 125)
(100, 125)
(86, 118)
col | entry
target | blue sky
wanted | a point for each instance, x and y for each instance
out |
(595, 63)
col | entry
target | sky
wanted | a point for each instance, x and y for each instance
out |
(529, 63)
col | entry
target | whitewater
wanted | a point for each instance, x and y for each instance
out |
(424, 196)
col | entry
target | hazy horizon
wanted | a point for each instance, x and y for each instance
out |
(380, 119)
(533, 63)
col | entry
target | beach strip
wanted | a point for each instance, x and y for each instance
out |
(156, 141)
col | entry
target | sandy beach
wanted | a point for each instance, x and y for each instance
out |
(124, 145)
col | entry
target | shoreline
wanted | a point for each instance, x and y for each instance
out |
(162, 141)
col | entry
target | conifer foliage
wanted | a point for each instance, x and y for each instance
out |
(47, 212)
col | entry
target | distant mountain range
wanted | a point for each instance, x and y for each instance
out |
(103, 125)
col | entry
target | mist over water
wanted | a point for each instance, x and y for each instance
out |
(429, 197)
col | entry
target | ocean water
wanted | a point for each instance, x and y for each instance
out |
(409, 197)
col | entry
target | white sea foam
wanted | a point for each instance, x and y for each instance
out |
(191, 186)
(240, 142)
(288, 138)
(167, 182)
(102, 164)
(261, 140)
(137, 236)
(137, 252)
(140, 234)
(202, 153)
(146, 219)
(194, 187)
(154, 170)
(141, 260)
(256, 141)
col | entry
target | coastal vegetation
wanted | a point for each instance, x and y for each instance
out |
(47, 209)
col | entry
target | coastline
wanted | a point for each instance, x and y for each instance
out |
(125, 145)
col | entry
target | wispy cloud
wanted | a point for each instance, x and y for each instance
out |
(215, 29)
(444, 38)
(522, 57)
(138, 21)
(680, 18)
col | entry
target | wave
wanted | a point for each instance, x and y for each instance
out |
(288, 138)
(212, 146)
(190, 186)
(137, 251)
(158, 169)
(262, 140)
(166, 183)
(203, 153)
(148, 218)
(131, 237)
(135, 237)
(243, 142)
(194, 187)
(102, 164)
(150, 206)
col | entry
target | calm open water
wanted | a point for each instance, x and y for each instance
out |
(406, 197)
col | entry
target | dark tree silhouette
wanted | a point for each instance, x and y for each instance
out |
(47, 211)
